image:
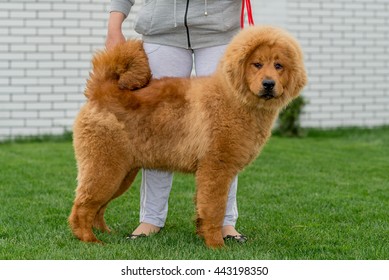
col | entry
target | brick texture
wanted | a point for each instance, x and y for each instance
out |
(45, 53)
(46, 47)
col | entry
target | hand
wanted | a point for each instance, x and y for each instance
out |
(114, 39)
(115, 34)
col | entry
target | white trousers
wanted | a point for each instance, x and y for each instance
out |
(167, 61)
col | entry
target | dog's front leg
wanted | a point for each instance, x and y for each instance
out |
(211, 200)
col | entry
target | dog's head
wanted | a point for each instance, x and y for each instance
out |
(264, 66)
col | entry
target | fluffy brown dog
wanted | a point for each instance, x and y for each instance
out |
(212, 126)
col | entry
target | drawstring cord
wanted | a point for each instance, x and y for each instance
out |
(175, 13)
(250, 19)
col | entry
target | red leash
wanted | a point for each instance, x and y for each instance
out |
(247, 4)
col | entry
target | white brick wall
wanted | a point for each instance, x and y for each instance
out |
(46, 47)
(45, 52)
(346, 46)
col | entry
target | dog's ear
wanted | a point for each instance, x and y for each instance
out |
(234, 66)
(298, 75)
(297, 82)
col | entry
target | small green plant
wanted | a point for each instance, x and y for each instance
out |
(289, 119)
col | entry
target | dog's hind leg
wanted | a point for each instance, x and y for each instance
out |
(211, 201)
(96, 188)
(99, 222)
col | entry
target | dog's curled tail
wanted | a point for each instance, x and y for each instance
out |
(125, 67)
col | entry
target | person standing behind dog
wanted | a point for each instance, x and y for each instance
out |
(177, 34)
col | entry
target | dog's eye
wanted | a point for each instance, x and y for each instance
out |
(278, 66)
(257, 65)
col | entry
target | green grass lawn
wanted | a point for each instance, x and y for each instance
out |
(325, 196)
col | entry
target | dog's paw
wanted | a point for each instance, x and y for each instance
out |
(214, 240)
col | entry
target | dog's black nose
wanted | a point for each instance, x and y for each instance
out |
(268, 84)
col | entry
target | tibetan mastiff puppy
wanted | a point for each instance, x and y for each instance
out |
(209, 126)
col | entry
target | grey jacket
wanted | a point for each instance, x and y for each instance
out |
(190, 24)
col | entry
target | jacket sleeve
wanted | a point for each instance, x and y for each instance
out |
(123, 6)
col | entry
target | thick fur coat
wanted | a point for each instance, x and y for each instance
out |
(212, 126)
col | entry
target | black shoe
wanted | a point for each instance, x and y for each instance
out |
(135, 236)
(240, 238)
(142, 235)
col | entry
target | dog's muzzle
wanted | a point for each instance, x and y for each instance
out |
(267, 92)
